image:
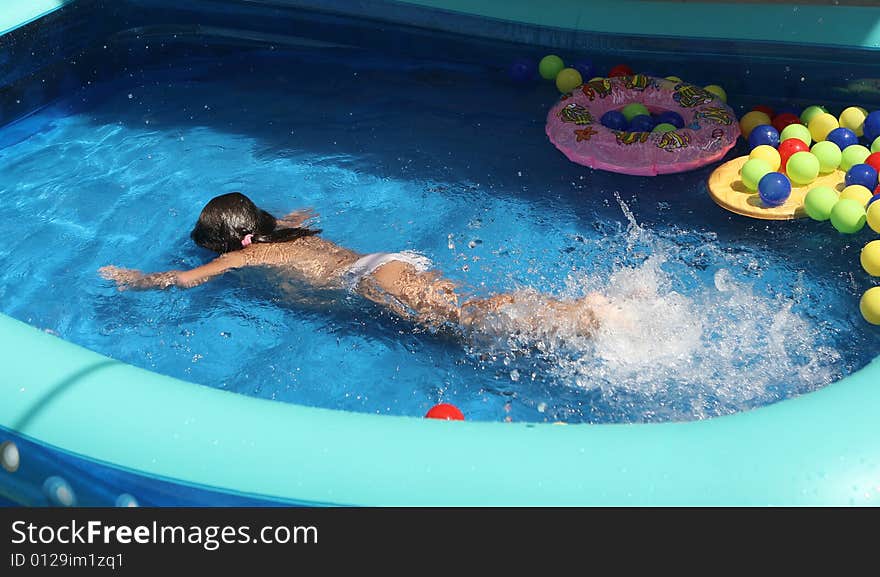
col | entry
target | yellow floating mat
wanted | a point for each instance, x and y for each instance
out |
(726, 188)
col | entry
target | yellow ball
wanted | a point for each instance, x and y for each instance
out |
(568, 79)
(595, 78)
(870, 258)
(821, 124)
(768, 154)
(854, 119)
(870, 305)
(750, 120)
(858, 193)
(717, 91)
(874, 216)
(674, 79)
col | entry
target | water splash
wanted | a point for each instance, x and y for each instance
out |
(659, 354)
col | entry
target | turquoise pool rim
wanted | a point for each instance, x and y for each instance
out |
(18, 13)
(818, 449)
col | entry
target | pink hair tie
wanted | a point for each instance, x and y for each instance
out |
(247, 239)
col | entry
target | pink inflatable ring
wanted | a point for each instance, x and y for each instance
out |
(710, 128)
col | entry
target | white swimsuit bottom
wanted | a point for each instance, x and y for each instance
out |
(366, 265)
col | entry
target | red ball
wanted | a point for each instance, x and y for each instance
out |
(877, 190)
(788, 147)
(874, 161)
(765, 109)
(782, 120)
(445, 411)
(620, 70)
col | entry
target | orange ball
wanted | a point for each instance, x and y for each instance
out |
(445, 411)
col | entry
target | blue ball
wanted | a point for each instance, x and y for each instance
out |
(774, 188)
(585, 67)
(863, 174)
(872, 126)
(842, 137)
(764, 134)
(670, 117)
(523, 70)
(615, 120)
(642, 123)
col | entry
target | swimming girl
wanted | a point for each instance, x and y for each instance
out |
(246, 236)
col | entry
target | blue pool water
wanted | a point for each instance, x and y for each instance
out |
(442, 158)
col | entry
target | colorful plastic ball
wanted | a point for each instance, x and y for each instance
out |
(768, 154)
(853, 118)
(819, 202)
(873, 215)
(750, 120)
(848, 216)
(788, 147)
(811, 111)
(783, 119)
(671, 117)
(753, 171)
(585, 67)
(828, 154)
(863, 174)
(842, 137)
(763, 134)
(802, 168)
(858, 193)
(872, 126)
(765, 109)
(615, 120)
(642, 123)
(875, 146)
(869, 305)
(774, 189)
(568, 79)
(674, 79)
(634, 109)
(550, 66)
(444, 411)
(798, 131)
(664, 127)
(852, 155)
(717, 91)
(620, 70)
(522, 70)
(821, 125)
(874, 161)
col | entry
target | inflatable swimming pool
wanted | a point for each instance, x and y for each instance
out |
(79, 428)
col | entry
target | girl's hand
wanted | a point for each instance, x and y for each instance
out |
(126, 278)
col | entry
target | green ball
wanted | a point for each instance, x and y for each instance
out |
(568, 79)
(819, 202)
(852, 155)
(550, 66)
(664, 127)
(753, 171)
(798, 131)
(875, 146)
(848, 216)
(634, 109)
(829, 156)
(811, 111)
(802, 167)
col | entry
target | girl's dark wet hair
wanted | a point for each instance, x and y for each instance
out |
(227, 219)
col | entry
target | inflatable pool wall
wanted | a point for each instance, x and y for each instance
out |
(78, 428)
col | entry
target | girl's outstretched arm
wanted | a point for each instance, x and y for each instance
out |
(127, 278)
